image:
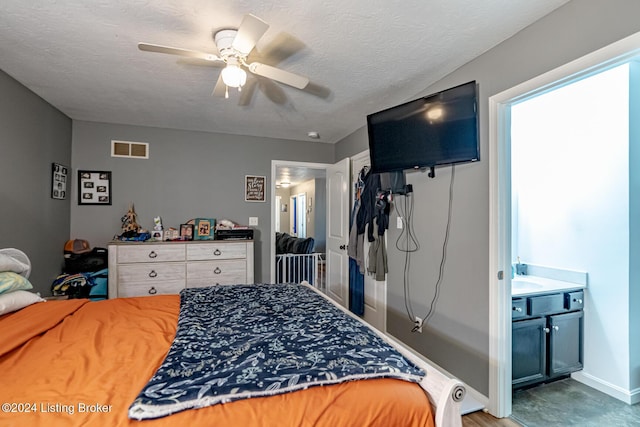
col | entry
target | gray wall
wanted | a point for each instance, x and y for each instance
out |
(457, 337)
(188, 175)
(33, 135)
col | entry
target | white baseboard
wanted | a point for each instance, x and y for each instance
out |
(473, 401)
(629, 397)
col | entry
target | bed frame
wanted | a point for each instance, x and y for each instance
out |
(444, 393)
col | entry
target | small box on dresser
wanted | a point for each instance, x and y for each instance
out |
(139, 269)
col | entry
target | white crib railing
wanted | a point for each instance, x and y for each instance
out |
(294, 268)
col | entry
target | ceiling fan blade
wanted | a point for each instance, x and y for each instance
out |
(246, 96)
(178, 51)
(200, 62)
(279, 75)
(250, 31)
(220, 88)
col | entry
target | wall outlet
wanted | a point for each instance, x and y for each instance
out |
(417, 325)
(253, 220)
(399, 223)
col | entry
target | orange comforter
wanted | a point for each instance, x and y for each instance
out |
(80, 363)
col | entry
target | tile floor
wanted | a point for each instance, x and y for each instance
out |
(570, 403)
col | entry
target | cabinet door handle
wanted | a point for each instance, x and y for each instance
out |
(556, 328)
(153, 254)
(217, 270)
(546, 330)
(153, 291)
(217, 252)
(518, 309)
(153, 273)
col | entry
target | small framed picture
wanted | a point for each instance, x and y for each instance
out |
(186, 231)
(254, 188)
(59, 181)
(94, 187)
(204, 229)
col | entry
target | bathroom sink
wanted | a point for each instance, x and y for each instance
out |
(525, 284)
(531, 285)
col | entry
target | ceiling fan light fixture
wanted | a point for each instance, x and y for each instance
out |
(285, 184)
(233, 75)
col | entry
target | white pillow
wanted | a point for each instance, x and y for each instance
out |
(8, 262)
(16, 300)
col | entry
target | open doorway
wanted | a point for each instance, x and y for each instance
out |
(501, 255)
(298, 237)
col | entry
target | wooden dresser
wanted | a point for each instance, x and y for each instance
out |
(140, 268)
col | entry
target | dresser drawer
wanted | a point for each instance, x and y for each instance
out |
(148, 289)
(149, 273)
(210, 251)
(151, 253)
(207, 273)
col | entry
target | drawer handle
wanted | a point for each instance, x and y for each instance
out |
(217, 270)
(153, 274)
(217, 252)
(153, 254)
(518, 309)
(578, 300)
(153, 291)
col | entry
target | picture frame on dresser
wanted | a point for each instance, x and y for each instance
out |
(186, 231)
(94, 187)
(204, 229)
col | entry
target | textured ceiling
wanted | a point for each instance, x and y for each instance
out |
(361, 56)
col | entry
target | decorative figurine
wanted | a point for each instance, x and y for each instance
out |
(157, 223)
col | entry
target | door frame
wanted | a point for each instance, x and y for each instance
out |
(500, 203)
(272, 238)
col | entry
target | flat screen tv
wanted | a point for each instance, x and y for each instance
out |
(438, 129)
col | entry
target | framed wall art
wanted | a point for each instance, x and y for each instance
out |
(254, 188)
(59, 176)
(94, 187)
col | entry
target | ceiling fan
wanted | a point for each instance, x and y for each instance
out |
(234, 46)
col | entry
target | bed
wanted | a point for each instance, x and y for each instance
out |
(81, 363)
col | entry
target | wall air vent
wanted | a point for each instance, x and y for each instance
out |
(129, 149)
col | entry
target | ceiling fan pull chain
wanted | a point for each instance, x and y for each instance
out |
(226, 92)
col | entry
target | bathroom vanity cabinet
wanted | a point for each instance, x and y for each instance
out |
(547, 336)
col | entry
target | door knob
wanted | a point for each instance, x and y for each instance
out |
(343, 247)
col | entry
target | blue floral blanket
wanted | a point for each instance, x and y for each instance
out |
(241, 341)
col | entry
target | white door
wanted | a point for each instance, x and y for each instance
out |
(375, 292)
(338, 179)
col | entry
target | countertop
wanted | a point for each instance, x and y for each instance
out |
(535, 285)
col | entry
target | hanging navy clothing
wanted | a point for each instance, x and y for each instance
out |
(355, 250)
